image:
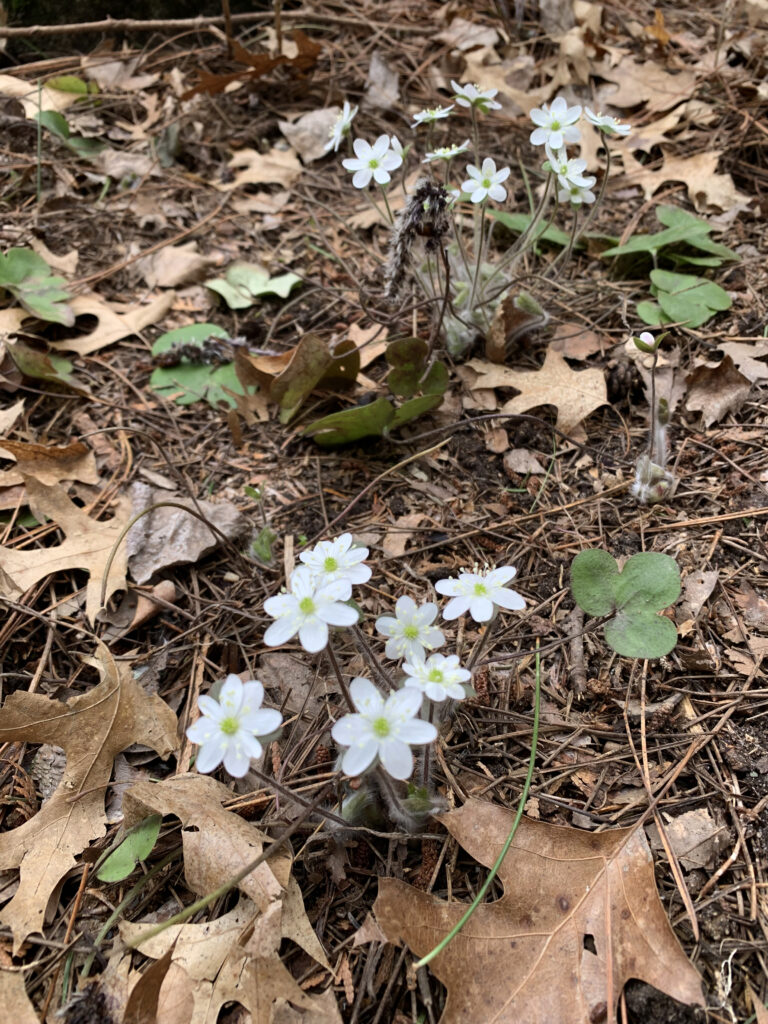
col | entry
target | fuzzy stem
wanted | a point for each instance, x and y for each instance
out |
(340, 678)
(427, 750)
(483, 641)
(370, 656)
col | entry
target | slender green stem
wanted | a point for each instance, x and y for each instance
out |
(600, 194)
(478, 259)
(482, 643)
(386, 204)
(565, 252)
(128, 898)
(368, 653)
(475, 136)
(515, 824)
(520, 243)
(340, 678)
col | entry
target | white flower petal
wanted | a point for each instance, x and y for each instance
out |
(509, 599)
(211, 708)
(313, 635)
(337, 614)
(231, 695)
(366, 697)
(481, 609)
(386, 625)
(417, 731)
(211, 753)
(359, 757)
(404, 703)
(281, 631)
(237, 761)
(362, 177)
(396, 757)
(448, 587)
(262, 723)
(348, 729)
(456, 607)
(202, 730)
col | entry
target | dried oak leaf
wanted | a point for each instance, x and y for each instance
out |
(576, 393)
(50, 464)
(92, 729)
(716, 390)
(580, 915)
(88, 545)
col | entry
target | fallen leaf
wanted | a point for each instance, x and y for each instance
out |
(747, 358)
(496, 440)
(466, 35)
(695, 837)
(716, 390)
(67, 263)
(521, 461)
(262, 202)
(396, 539)
(705, 187)
(168, 536)
(371, 341)
(575, 904)
(575, 393)
(644, 83)
(697, 587)
(112, 326)
(280, 166)
(382, 89)
(174, 265)
(88, 545)
(9, 416)
(33, 99)
(50, 464)
(309, 133)
(577, 342)
(92, 729)
(113, 75)
(13, 996)
(754, 607)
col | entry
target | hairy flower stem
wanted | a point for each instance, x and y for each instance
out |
(340, 678)
(361, 642)
(478, 258)
(600, 194)
(482, 642)
(520, 243)
(565, 253)
(427, 751)
(475, 135)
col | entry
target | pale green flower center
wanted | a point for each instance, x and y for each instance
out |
(229, 726)
(486, 182)
(480, 590)
(373, 163)
(436, 676)
(556, 126)
(306, 606)
(411, 632)
(381, 728)
(330, 564)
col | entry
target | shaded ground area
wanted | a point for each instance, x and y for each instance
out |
(614, 732)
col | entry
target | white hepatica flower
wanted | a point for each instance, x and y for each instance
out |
(576, 195)
(382, 729)
(430, 115)
(486, 182)
(397, 147)
(372, 161)
(229, 726)
(607, 124)
(308, 609)
(473, 96)
(446, 152)
(438, 677)
(569, 171)
(479, 593)
(556, 124)
(411, 631)
(341, 127)
(332, 560)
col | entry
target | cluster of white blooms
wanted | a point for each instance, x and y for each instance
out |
(381, 729)
(557, 125)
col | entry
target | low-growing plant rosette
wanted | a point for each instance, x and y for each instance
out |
(439, 677)
(332, 560)
(410, 631)
(480, 594)
(382, 730)
(308, 609)
(227, 731)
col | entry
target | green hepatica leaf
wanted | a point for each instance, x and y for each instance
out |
(28, 278)
(243, 283)
(641, 635)
(593, 580)
(137, 845)
(408, 359)
(193, 382)
(414, 408)
(648, 583)
(56, 123)
(41, 365)
(688, 299)
(519, 222)
(352, 424)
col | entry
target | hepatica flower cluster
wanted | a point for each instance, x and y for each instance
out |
(381, 724)
(476, 283)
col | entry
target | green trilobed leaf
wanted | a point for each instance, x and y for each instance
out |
(408, 359)
(28, 278)
(352, 424)
(593, 581)
(648, 583)
(137, 845)
(642, 634)
(194, 382)
(649, 580)
(414, 408)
